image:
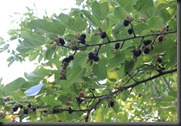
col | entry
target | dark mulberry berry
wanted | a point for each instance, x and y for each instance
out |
(66, 60)
(25, 111)
(91, 55)
(126, 23)
(112, 103)
(160, 39)
(71, 57)
(70, 110)
(83, 36)
(55, 111)
(130, 30)
(29, 105)
(159, 60)
(33, 109)
(146, 42)
(96, 58)
(82, 40)
(136, 53)
(79, 100)
(167, 26)
(21, 106)
(103, 35)
(15, 108)
(117, 45)
(61, 41)
(146, 51)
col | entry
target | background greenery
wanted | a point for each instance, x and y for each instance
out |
(117, 88)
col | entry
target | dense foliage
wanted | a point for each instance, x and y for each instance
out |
(106, 61)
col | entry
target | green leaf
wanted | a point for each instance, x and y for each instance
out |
(5, 47)
(173, 55)
(139, 28)
(77, 24)
(74, 75)
(156, 23)
(95, 39)
(50, 101)
(2, 102)
(49, 53)
(100, 10)
(78, 2)
(30, 42)
(173, 94)
(63, 18)
(112, 75)
(129, 66)
(99, 117)
(117, 29)
(124, 95)
(126, 4)
(80, 59)
(100, 70)
(91, 18)
(116, 107)
(37, 75)
(146, 8)
(116, 61)
(120, 13)
(165, 15)
(90, 84)
(142, 6)
(14, 85)
(47, 27)
(16, 97)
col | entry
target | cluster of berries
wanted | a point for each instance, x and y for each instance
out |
(160, 65)
(126, 23)
(82, 38)
(25, 108)
(64, 65)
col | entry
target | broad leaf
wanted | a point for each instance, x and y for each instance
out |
(30, 42)
(116, 61)
(47, 27)
(14, 85)
(91, 18)
(156, 23)
(100, 10)
(142, 6)
(77, 24)
(100, 70)
(50, 100)
(129, 66)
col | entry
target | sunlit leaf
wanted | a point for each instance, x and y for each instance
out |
(47, 27)
(112, 74)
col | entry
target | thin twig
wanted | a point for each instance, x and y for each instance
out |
(125, 39)
(167, 83)
(156, 88)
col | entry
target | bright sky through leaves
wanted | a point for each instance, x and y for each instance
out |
(7, 8)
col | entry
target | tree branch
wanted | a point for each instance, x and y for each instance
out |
(148, 79)
(125, 39)
(167, 83)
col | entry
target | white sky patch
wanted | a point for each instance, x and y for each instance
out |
(7, 8)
